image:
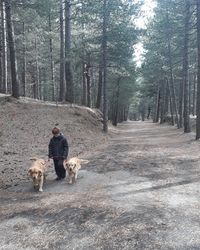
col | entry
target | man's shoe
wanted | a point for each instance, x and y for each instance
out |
(58, 178)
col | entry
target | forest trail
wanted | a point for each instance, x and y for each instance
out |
(141, 190)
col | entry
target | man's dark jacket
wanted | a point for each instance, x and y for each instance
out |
(58, 147)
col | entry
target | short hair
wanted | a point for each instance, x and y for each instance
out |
(55, 131)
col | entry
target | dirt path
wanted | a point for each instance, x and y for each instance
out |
(139, 191)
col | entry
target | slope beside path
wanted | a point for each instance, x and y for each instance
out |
(25, 131)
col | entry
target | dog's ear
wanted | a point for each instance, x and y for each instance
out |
(66, 164)
(30, 172)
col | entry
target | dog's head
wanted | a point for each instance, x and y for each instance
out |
(37, 168)
(35, 174)
(73, 164)
(70, 166)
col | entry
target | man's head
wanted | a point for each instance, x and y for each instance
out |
(56, 131)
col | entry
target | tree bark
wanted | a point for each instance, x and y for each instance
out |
(116, 105)
(4, 50)
(166, 102)
(68, 71)
(104, 65)
(170, 102)
(171, 82)
(162, 102)
(24, 63)
(99, 91)
(186, 113)
(157, 113)
(37, 87)
(181, 92)
(1, 56)
(194, 96)
(62, 55)
(51, 60)
(198, 74)
(88, 84)
(171, 85)
(190, 93)
(84, 87)
(11, 43)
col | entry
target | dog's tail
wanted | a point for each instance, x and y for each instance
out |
(33, 158)
(84, 161)
(78, 153)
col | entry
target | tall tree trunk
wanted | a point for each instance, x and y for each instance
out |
(51, 60)
(99, 91)
(170, 102)
(4, 50)
(68, 71)
(171, 82)
(37, 94)
(126, 111)
(171, 85)
(198, 74)
(93, 86)
(24, 63)
(104, 65)
(190, 93)
(166, 101)
(88, 84)
(11, 43)
(116, 105)
(157, 113)
(1, 56)
(186, 114)
(162, 102)
(181, 92)
(84, 87)
(62, 54)
(194, 96)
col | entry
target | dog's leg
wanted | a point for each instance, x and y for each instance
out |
(34, 185)
(70, 179)
(45, 177)
(75, 176)
(41, 183)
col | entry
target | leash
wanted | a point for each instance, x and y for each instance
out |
(47, 163)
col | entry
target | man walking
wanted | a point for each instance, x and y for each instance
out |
(58, 151)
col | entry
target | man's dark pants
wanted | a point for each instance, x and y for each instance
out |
(59, 168)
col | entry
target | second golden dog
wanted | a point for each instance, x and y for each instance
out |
(72, 166)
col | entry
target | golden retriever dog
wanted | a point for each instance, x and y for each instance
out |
(72, 166)
(37, 173)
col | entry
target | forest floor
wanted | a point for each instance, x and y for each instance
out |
(140, 190)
